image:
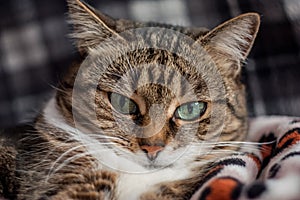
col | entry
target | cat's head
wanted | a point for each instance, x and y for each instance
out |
(148, 91)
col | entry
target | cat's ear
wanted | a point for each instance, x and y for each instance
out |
(90, 27)
(233, 38)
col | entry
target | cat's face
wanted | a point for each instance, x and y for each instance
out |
(151, 94)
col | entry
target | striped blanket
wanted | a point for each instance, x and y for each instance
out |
(270, 171)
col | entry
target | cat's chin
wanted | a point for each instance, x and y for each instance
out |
(165, 160)
(153, 166)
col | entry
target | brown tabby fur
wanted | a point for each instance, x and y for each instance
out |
(84, 178)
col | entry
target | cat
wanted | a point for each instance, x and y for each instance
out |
(142, 115)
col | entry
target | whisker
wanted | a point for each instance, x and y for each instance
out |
(106, 137)
(242, 147)
(62, 165)
(62, 155)
(67, 161)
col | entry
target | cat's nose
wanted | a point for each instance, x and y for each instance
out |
(152, 151)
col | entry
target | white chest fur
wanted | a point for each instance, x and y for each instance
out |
(132, 186)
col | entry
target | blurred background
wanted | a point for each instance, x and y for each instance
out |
(35, 50)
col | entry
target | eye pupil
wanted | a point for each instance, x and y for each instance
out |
(190, 108)
(122, 101)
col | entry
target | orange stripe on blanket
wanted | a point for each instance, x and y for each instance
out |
(290, 139)
(225, 188)
(268, 143)
(256, 160)
(266, 150)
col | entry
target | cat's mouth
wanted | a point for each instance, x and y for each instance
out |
(155, 166)
(158, 163)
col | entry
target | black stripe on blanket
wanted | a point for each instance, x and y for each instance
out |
(288, 139)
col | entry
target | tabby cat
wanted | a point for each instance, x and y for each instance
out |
(142, 115)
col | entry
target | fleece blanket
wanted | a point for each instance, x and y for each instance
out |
(268, 170)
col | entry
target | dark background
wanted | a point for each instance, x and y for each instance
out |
(35, 49)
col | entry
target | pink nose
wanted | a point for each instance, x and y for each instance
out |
(152, 151)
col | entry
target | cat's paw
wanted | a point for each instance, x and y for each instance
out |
(93, 186)
(80, 192)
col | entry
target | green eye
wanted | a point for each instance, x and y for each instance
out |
(190, 111)
(123, 104)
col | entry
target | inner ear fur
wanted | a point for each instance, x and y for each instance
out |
(234, 37)
(90, 26)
